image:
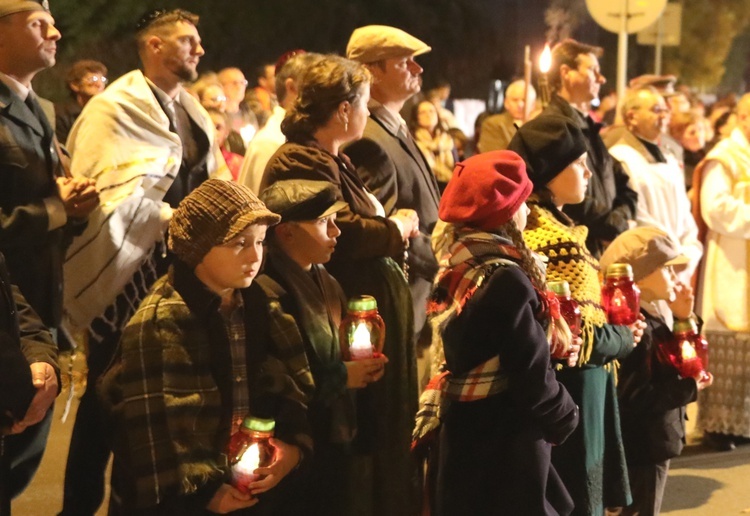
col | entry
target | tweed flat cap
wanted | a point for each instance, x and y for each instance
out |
(213, 214)
(376, 42)
(301, 199)
(664, 84)
(645, 249)
(17, 6)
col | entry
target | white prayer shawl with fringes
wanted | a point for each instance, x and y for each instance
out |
(122, 140)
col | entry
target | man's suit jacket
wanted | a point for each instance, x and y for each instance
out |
(28, 168)
(400, 179)
(496, 133)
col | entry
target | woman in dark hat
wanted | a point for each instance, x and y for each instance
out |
(506, 408)
(331, 110)
(592, 462)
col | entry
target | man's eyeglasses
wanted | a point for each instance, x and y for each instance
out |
(95, 79)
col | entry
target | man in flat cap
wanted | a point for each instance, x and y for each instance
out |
(387, 157)
(40, 209)
(148, 143)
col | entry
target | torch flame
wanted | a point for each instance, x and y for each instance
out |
(545, 61)
(250, 459)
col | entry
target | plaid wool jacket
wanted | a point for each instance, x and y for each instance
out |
(170, 392)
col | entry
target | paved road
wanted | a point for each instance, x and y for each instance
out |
(701, 482)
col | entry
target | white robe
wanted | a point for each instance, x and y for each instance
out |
(122, 140)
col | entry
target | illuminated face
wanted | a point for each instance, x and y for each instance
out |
(583, 82)
(181, 51)
(313, 241)
(358, 114)
(427, 116)
(648, 119)
(515, 103)
(31, 38)
(569, 186)
(397, 80)
(659, 285)
(213, 97)
(222, 130)
(234, 264)
(234, 83)
(694, 137)
(90, 84)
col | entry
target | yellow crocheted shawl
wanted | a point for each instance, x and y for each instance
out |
(569, 260)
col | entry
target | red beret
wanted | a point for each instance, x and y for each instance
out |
(486, 190)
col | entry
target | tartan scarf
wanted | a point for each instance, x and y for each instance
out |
(468, 258)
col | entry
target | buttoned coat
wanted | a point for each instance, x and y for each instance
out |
(29, 166)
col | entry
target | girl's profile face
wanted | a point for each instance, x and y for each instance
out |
(569, 186)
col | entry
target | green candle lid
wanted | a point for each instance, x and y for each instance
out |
(362, 304)
(560, 288)
(256, 424)
(685, 325)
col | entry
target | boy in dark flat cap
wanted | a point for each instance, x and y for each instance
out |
(298, 247)
(652, 395)
(203, 351)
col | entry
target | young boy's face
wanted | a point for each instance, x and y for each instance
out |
(234, 264)
(659, 285)
(314, 240)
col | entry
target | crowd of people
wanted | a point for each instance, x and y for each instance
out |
(211, 238)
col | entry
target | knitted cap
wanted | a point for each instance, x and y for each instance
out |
(486, 190)
(213, 214)
(375, 42)
(645, 249)
(548, 144)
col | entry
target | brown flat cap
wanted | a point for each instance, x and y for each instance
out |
(646, 249)
(376, 42)
(663, 83)
(213, 214)
(17, 6)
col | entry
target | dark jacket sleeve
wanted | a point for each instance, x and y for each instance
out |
(36, 341)
(377, 170)
(610, 343)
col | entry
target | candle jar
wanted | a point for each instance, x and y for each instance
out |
(362, 332)
(569, 310)
(249, 449)
(620, 295)
(687, 351)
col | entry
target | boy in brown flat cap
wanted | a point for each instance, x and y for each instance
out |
(202, 352)
(652, 395)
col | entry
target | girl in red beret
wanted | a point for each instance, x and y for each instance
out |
(505, 408)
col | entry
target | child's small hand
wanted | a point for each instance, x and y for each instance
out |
(637, 328)
(704, 381)
(682, 306)
(573, 351)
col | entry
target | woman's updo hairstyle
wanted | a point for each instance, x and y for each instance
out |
(327, 83)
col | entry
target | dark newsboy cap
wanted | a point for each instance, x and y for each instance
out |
(17, 6)
(301, 199)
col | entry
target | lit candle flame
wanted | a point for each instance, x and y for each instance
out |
(361, 337)
(688, 352)
(545, 61)
(250, 460)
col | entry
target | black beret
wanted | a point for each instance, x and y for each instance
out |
(548, 144)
